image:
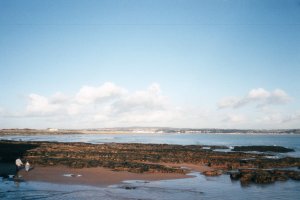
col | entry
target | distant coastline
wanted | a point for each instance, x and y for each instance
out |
(135, 130)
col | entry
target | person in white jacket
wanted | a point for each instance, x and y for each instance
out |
(19, 164)
(27, 166)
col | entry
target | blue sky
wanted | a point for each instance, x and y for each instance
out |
(200, 64)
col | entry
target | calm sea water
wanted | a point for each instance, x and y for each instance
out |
(198, 187)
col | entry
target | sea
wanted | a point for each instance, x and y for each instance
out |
(194, 187)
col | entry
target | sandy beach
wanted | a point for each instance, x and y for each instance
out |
(97, 176)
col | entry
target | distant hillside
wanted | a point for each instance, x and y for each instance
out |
(153, 130)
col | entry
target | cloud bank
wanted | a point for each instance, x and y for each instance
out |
(106, 105)
(111, 105)
(260, 97)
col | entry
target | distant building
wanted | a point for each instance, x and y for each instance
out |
(52, 129)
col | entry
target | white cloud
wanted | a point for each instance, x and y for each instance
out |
(295, 117)
(235, 118)
(145, 100)
(74, 109)
(271, 118)
(41, 105)
(258, 93)
(279, 97)
(259, 96)
(90, 94)
(58, 98)
(141, 107)
(278, 117)
(228, 102)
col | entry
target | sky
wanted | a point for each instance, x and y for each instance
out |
(158, 63)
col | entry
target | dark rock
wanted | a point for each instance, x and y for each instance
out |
(129, 187)
(277, 149)
(246, 178)
(295, 175)
(235, 175)
(281, 178)
(262, 176)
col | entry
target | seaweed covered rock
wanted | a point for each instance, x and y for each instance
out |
(277, 149)
(261, 176)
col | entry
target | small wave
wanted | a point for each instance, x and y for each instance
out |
(72, 175)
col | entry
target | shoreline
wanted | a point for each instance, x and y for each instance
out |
(117, 162)
(95, 176)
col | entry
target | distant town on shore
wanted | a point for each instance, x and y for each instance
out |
(154, 130)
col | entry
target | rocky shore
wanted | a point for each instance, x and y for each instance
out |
(156, 158)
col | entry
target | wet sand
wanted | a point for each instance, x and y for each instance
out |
(97, 176)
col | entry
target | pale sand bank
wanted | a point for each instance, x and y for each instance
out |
(97, 176)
